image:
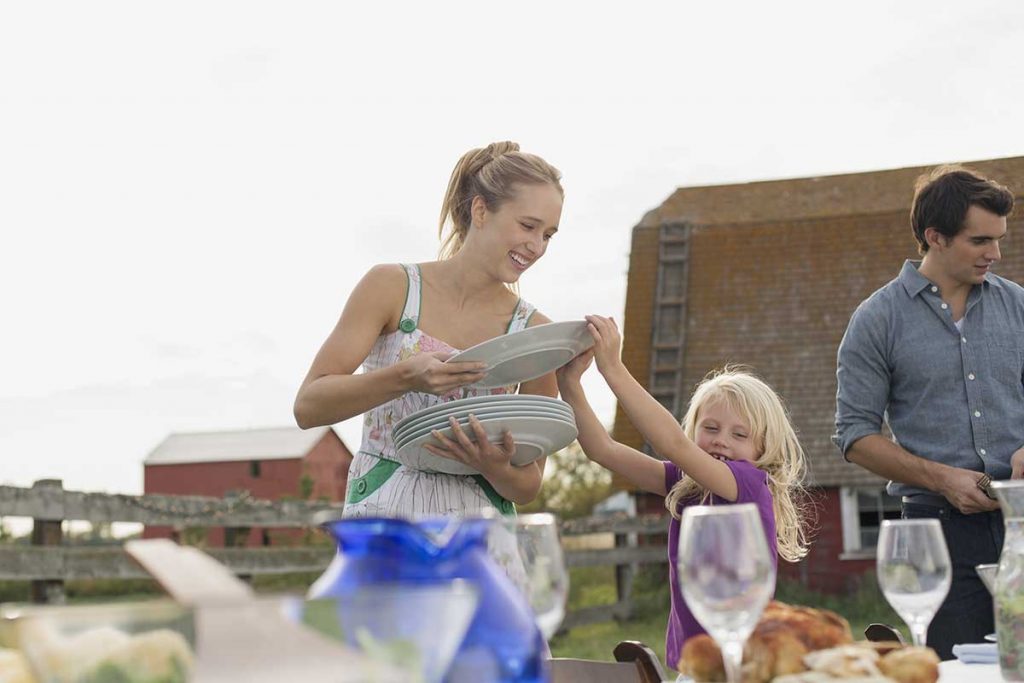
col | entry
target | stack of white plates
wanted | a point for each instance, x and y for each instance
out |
(539, 426)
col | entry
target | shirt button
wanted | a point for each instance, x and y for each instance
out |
(361, 486)
(981, 451)
(945, 306)
(977, 413)
(934, 288)
(963, 339)
(970, 376)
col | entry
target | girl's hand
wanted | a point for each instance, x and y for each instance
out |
(607, 342)
(1017, 464)
(429, 374)
(569, 374)
(483, 456)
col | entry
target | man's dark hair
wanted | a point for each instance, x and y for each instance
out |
(942, 198)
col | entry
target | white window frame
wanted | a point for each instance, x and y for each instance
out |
(850, 513)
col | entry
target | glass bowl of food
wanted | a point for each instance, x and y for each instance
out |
(130, 642)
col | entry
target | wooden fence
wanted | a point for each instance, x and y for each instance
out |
(47, 563)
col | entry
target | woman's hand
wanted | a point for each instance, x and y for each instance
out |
(1017, 464)
(569, 375)
(483, 456)
(607, 342)
(429, 374)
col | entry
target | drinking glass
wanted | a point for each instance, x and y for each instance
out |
(536, 565)
(547, 579)
(914, 571)
(726, 574)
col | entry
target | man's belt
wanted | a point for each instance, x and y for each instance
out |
(928, 499)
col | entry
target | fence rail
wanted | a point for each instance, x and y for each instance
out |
(48, 562)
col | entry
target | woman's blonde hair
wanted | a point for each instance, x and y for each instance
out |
(779, 453)
(491, 172)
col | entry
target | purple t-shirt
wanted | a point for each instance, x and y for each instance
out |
(752, 487)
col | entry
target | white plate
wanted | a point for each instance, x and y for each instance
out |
(480, 410)
(510, 400)
(527, 354)
(535, 437)
(444, 425)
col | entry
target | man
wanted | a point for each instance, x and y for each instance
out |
(938, 353)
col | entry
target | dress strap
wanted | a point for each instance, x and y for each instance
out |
(413, 296)
(521, 316)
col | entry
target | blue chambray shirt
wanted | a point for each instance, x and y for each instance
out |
(950, 396)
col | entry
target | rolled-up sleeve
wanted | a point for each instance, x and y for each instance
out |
(863, 375)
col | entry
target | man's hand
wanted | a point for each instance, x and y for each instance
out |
(960, 488)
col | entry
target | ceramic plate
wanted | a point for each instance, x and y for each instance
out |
(480, 410)
(527, 354)
(443, 425)
(511, 400)
(536, 437)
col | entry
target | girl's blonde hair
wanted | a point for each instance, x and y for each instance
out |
(492, 172)
(780, 454)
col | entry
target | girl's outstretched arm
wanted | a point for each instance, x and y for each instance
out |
(655, 423)
(640, 469)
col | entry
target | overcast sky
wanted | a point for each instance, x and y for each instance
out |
(190, 190)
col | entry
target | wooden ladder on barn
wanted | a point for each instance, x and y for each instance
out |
(668, 335)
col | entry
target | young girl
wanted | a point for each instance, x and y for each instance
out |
(735, 445)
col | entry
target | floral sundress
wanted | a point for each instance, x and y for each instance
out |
(378, 485)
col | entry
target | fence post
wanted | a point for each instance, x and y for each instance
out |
(48, 531)
(624, 575)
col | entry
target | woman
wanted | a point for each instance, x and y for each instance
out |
(403, 321)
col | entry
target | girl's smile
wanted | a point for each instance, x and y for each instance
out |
(723, 434)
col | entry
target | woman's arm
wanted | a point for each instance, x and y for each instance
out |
(642, 470)
(493, 461)
(331, 392)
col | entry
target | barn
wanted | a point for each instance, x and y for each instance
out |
(269, 464)
(767, 274)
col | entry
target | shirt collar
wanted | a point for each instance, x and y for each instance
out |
(915, 283)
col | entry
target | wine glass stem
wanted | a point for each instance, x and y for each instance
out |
(732, 656)
(919, 632)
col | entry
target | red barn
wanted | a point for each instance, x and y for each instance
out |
(767, 274)
(270, 464)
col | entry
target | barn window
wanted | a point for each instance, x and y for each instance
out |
(254, 469)
(863, 509)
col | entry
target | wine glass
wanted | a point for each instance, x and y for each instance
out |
(547, 580)
(537, 565)
(914, 571)
(726, 574)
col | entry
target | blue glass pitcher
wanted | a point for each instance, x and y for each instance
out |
(503, 643)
